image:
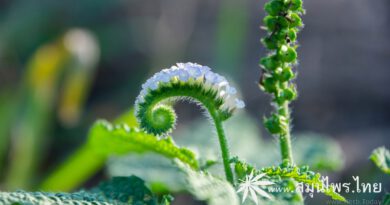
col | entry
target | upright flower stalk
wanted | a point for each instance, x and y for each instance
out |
(282, 23)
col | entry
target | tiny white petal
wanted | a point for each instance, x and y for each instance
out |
(140, 99)
(210, 77)
(205, 69)
(231, 90)
(180, 65)
(183, 75)
(222, 93)
(218, 79)
(165, 78)
(240, 104)
(194, 72)
(153, 86)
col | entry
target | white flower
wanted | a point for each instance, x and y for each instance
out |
(164, 77)
(183, 72)
(183, 75)
(251, 185)
(153, 85)
(210, 77)
(195, 71)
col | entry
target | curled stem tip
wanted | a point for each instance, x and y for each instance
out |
(192, 82)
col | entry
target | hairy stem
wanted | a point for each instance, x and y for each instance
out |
(285, 139)
(224, 147)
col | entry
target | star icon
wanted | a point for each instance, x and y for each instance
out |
(251, 185)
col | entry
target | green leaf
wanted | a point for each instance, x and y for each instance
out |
(205, 187)
(120, 139)
(126, 189)
(381, 157)
(118, 191)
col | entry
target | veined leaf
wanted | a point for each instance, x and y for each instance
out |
(118, 191)
(121, 139)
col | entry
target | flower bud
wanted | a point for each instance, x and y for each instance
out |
(296, 5)
(273, 124)
(274, 7)
(295, 20)
(268, 84)
(270, 22)
(286, 74)
(289, 93)
(292, 35)
(270, 62)
(269, 42)
(288, 54)
(282, 22)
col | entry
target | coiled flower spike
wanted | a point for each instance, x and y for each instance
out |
(187, 81)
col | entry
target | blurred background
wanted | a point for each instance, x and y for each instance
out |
(64, 64)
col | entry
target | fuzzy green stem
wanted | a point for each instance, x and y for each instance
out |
(285, 139)
(224, 147)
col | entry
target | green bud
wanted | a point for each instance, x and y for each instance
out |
(286, 74)
(270, 22)
(241, 170)
(295, 20)
(281, 36)
(270, 62)
(269, 43)
(288, 54)
(274, 7)
(296, 5)
(273, 124)
(286, 94)
(289, 94)
(292, 35)
(283, 23)
(268, 83)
